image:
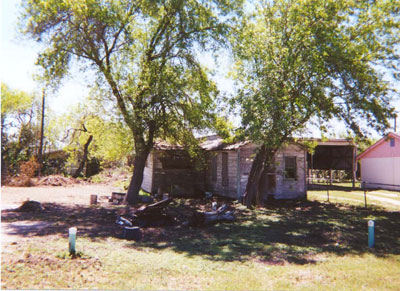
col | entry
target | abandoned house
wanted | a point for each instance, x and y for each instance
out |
(169, 169)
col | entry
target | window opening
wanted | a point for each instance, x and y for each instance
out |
(290, 168)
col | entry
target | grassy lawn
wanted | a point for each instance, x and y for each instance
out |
(292, 245)
(341, 184)
(380, 198)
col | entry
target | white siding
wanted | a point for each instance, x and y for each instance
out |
(148, 174)
(381, 171)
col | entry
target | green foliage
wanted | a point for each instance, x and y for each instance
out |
(299, 60)
(112, 140)
(14, 102)
(143, 51)
(19, 127)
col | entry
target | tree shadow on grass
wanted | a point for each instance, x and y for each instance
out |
(293, 232)
(93, 222)
(287, 232)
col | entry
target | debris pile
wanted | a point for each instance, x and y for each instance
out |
(118, 198)
(57, 180)
(163, 214)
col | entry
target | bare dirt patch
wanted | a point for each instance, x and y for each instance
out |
(72, 194)
(64, 207)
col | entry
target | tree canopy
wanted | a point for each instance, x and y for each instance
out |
(299, 60)
(143, 52)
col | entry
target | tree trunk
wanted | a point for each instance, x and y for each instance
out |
(84, 158)
(137, 178)
(40, 151)
(254, 178)
(262, 162)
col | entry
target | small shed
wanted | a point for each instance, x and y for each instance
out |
(380, 163)
(228, 166)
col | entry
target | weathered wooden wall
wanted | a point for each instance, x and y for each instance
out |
(215, 184)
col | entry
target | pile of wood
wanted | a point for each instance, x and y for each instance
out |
(162, 214)
(57, 180)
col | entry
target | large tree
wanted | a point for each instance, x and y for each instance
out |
(313, 59)
(144, 51)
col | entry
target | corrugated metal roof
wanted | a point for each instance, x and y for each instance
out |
(163, 146)
(331, 142)
(212, 143)
(215, 143)
(219, 144)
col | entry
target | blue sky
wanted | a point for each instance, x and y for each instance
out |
(18, 58)
(18, 63)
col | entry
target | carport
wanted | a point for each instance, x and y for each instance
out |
(332, 154)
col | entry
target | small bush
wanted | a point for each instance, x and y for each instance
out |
(29, 168)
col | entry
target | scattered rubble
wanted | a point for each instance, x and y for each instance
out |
(163, 214)
(57, 180)
(53, 180)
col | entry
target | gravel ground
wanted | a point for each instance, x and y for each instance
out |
(75, 194)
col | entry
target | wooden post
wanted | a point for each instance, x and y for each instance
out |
(93, 199)
(328, 194)
(365, 194)
(354, 167)
(330, 177)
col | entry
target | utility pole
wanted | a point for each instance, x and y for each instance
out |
(40, 152)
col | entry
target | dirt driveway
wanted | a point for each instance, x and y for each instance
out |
(12, 197)
(68, 197)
